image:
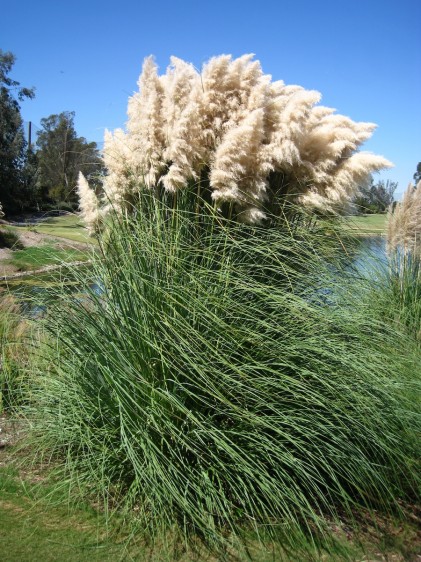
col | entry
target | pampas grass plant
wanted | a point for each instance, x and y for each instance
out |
(220, 376)
(404, 222)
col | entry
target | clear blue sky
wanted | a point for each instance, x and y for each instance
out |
(364, 56)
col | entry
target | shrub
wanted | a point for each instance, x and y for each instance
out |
(9, 239)
(68, 206)
(60, 206)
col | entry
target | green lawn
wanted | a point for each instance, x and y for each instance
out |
(31, 530)
(50, 251)
(67, 226)
(71, 227)
(368, 224)
(35, 257)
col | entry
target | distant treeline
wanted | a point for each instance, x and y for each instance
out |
(41, 175)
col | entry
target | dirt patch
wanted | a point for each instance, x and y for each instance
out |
(12, 507)
(10, 432)
(5, 253)
(29, 238)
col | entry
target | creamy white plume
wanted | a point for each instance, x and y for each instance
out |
(232, 127)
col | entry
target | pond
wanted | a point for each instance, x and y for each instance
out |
(370, 256)
(34, 291)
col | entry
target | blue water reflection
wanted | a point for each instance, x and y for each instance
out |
(370, 257)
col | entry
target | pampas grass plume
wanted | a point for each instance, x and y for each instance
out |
(230, 128)
(88, 204)
(404, 222)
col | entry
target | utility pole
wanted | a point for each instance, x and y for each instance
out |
(29, 136)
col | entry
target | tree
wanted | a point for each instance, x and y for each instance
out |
(376, 198)
(62, 155)
(13, 187)
(417, 175)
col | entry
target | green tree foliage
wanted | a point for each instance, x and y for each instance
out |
(417, 175)
(15, 184)
(62, 155)
(376, 198)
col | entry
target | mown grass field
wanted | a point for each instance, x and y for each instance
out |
(35, 257)
(368, 224)
(67, 226)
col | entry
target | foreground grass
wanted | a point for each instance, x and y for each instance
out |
(37, 525)
(32, 530)
(367, 224)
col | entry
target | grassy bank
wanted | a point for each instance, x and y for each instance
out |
(55, 242)
(36, 257)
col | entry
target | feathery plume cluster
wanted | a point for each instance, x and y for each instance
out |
(245, 140)
(404, 222)
(88, 204)
(1, 211)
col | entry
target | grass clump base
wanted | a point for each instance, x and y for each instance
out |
(223, 383)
